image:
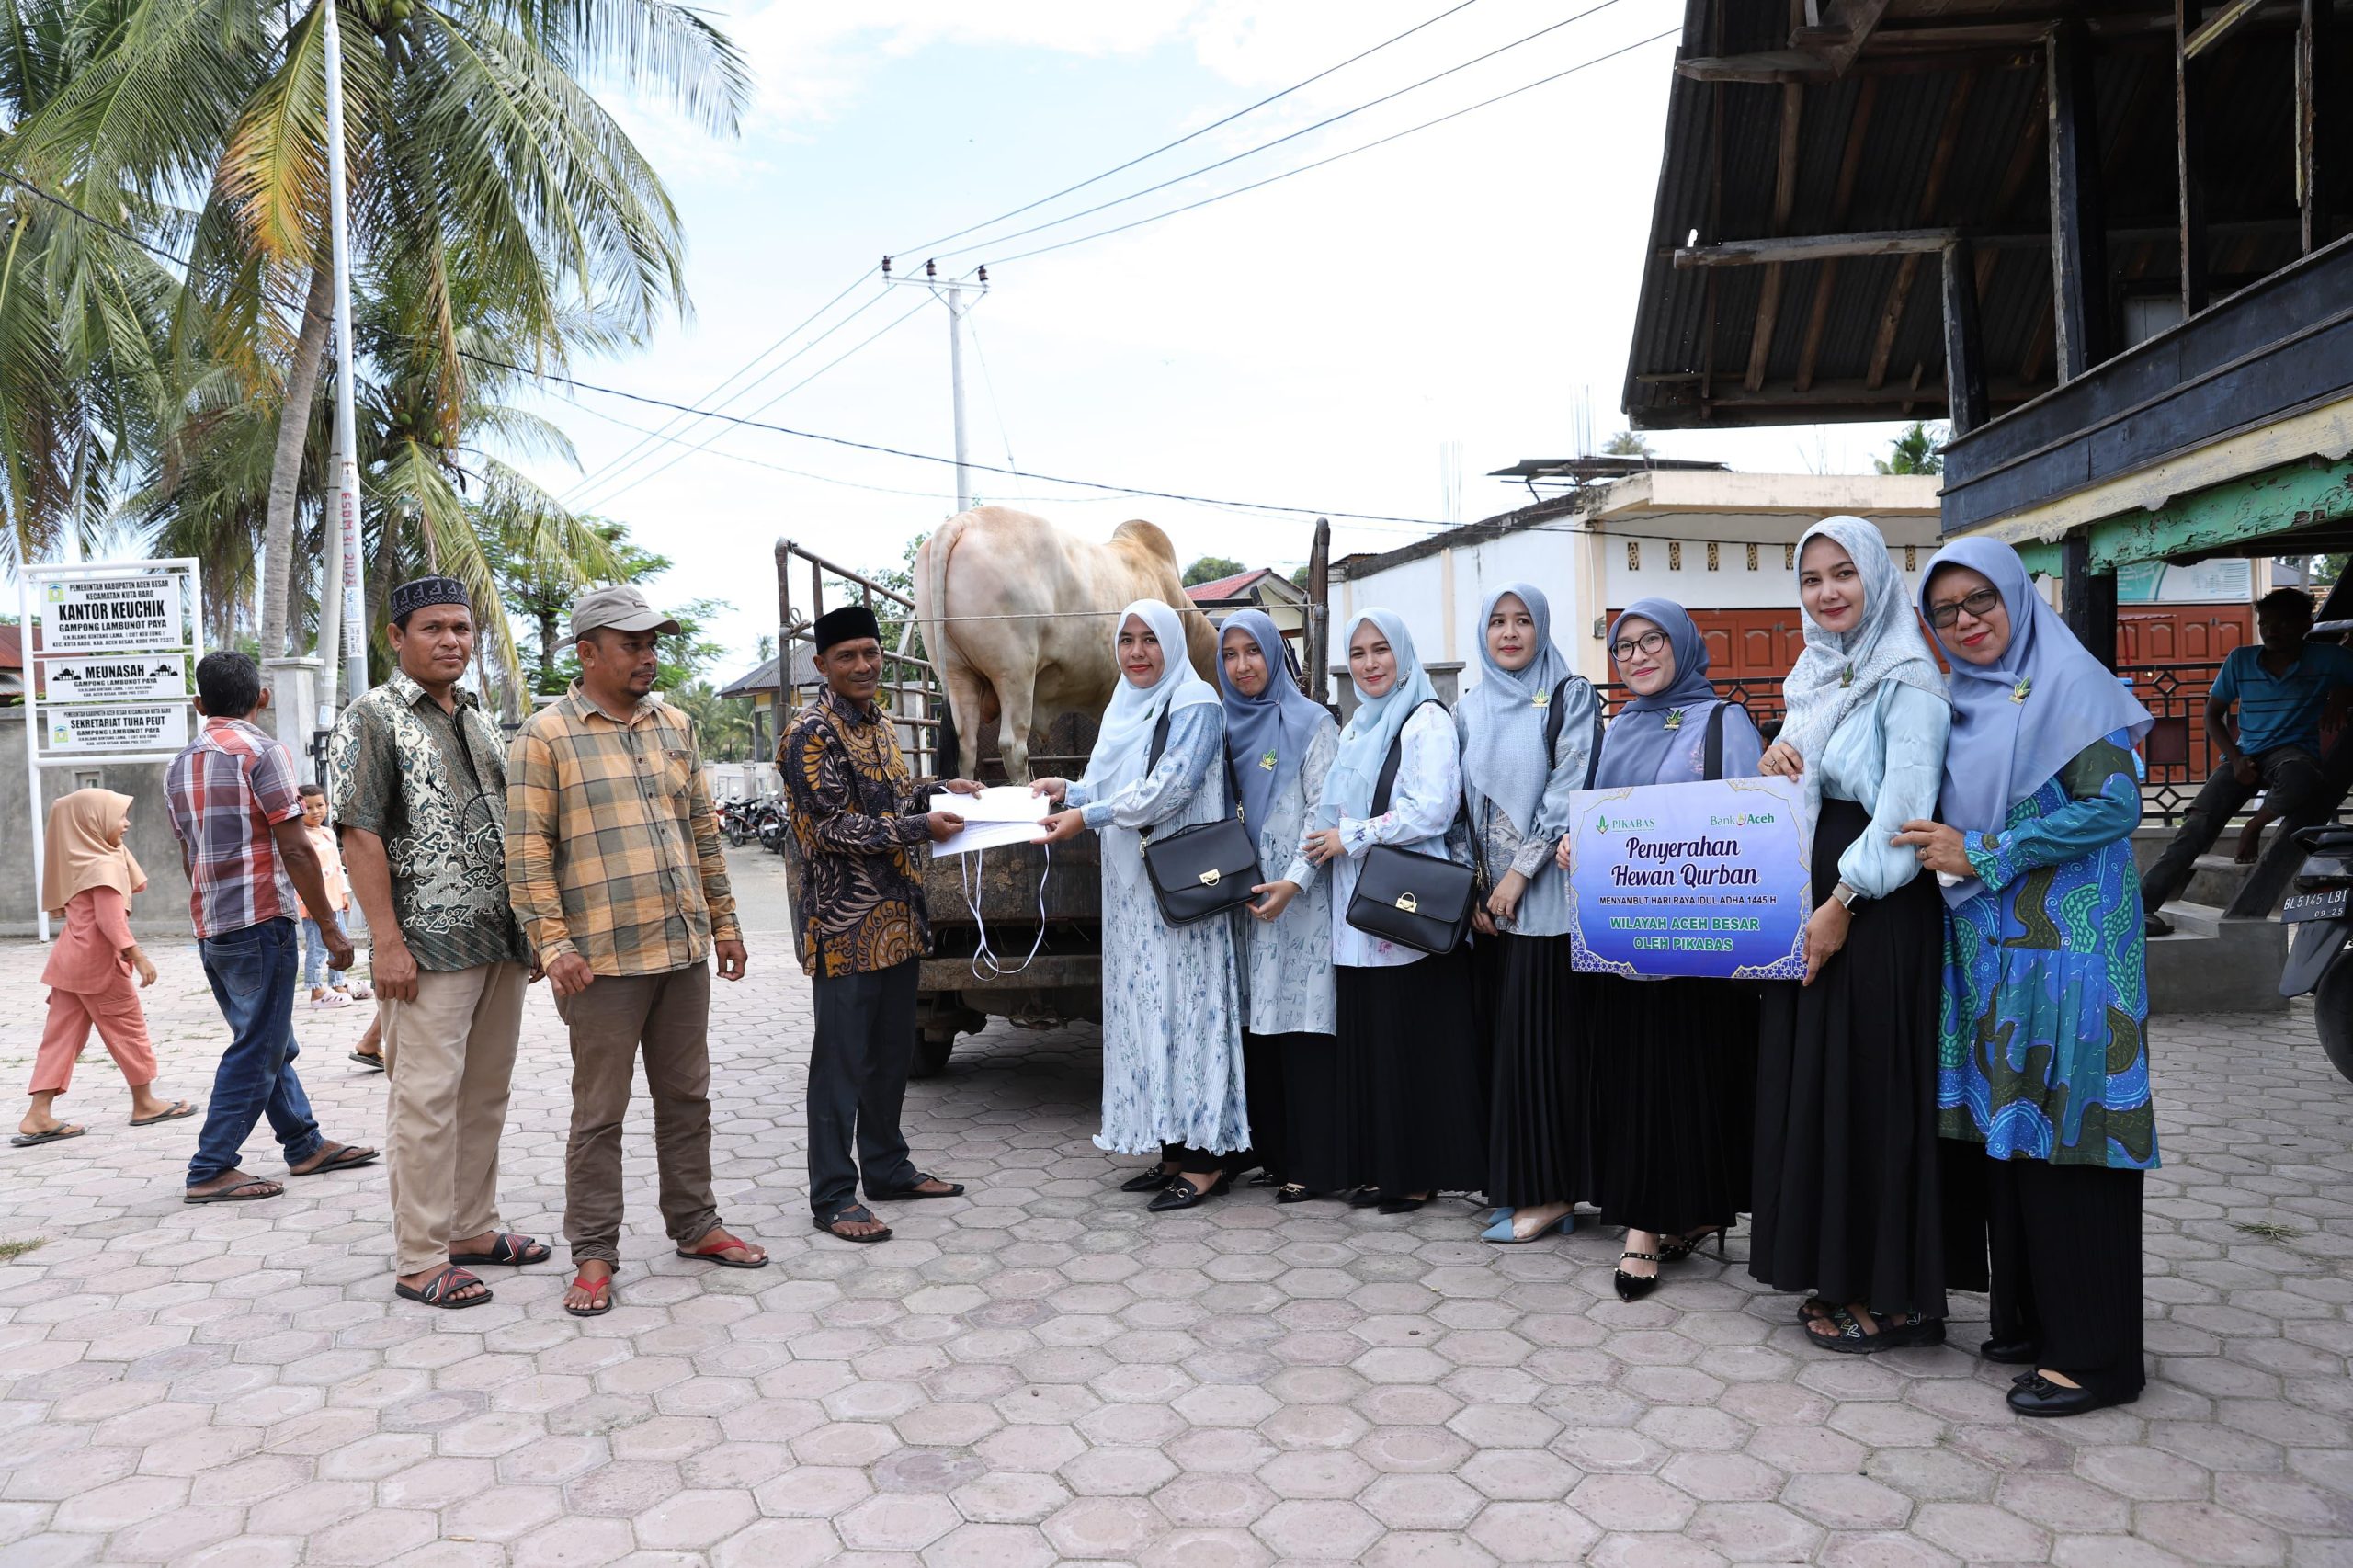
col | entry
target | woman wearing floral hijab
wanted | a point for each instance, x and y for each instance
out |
(2043, 1059)
(1848, 1191)
(1172, 1016)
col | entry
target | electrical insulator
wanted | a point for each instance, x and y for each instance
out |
(984, 274)
(931, 270)
(886, 267)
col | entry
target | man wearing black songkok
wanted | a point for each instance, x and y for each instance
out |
(862, 823)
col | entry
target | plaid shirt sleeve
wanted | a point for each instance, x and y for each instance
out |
(270, 775)
(711, 853)
(533, 818)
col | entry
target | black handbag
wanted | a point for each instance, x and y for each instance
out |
(1417, 900)
(1204, 869)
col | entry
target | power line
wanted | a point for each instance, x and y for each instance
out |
(1188, 136)
(932, 458)
(1291, 136)
(1350, 153)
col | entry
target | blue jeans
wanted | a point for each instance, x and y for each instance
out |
(252, 975)
(314, 953)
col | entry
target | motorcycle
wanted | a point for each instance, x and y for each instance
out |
(2319, 960)
(769, 825)
(736, 819)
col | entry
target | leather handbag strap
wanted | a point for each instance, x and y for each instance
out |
(1389, 764)
(1713, 755)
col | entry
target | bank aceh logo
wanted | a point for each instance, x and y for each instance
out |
(1744, 819)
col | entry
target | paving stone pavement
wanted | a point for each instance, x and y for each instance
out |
(1040, 1373)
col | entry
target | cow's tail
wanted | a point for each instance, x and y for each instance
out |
(936, 551)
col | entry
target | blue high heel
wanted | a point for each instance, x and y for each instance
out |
(1500, 1232)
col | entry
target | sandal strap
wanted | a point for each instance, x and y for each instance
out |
(449, 1279)
(1641, 1257)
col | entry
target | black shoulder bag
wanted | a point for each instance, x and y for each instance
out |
(1417, 900)
(1203, 869)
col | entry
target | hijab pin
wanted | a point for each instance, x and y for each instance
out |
(1541, 700)
(1846, 677)
(2024, 689)
(1267, 759)
(1673, 718)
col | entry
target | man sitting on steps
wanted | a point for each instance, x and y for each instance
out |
(2280, 689)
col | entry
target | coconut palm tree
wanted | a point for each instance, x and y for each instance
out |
(473, 144)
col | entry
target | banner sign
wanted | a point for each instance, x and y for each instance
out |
(1706, 880)
(129, 677)
(108, 614)
(115, 728)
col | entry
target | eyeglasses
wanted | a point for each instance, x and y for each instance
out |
(1978, 604)
(1648, 642)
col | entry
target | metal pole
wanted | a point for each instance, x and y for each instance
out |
(32, 742)
(956, 381)
(346, 464)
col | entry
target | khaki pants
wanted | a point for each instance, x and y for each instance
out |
(449, 1055)
(669, 1016)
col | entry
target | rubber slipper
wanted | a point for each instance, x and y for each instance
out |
(703, 1251)
(911, 1194)
(27, 1140)
(600, 1296)
(855, 1214)
(242, 1193)
(438, 1291)
(344, 1158)
(178, 1109)
(511, 1251)
(366, 1060)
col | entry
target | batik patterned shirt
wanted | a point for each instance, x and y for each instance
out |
(858, 820)
(432, 785)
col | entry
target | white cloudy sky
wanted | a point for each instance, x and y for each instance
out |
(1314, 344)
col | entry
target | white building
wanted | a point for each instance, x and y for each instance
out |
(1722, 545)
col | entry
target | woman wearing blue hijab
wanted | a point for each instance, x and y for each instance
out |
(1279, 743)
(2044, 1050)
(1411, 1081)
(1674, 1061)
(1527, 734)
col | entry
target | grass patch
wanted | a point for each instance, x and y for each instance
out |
(2270, 1230)
(11, 1251)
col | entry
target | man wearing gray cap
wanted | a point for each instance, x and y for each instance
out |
(417, 777)
(614, 865)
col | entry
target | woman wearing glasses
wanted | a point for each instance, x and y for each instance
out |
(1527, 733)
(2044, 1048)
(1411, 1083)
(1674, 1061)
(1847, 1196)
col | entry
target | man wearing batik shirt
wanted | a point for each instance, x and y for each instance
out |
(860, 824)
(618, 872)
(419, 792)
(235, 807)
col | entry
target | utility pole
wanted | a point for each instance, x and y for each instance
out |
(951, 291)
(344, 537)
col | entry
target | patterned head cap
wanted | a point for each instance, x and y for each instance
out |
(419, 592)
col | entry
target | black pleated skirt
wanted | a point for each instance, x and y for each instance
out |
(1413, 1077)
(1538, 1141)
(1850, 1201)
(2066, 1247)
(1674, 1070)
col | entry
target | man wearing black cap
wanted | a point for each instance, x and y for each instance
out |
(860, 821)
(417, 779)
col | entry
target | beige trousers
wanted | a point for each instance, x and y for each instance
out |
(450, 1057)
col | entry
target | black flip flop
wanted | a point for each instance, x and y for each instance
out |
(856, 1214)
(372, 1063)
(916, 1193)
(242, 1193)
(27, 1140)
(344, 1158)
(178, 1109)
(436, 1291)
(511, 1251)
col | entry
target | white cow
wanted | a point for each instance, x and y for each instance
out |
(1018, 617)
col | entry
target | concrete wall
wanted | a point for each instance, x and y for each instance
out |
(158, 915)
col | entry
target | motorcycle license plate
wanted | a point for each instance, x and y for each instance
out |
(2325, 904)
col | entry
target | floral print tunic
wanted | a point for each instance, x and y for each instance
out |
(1286, 983)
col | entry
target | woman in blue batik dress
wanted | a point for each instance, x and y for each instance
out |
(2043, 1052)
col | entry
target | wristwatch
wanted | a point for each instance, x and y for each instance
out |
(1847, 897)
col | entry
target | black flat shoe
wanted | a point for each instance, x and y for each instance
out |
(1152, 1180)
(2011, 1352)
(1634, 1286)
(2038, 1395)
(1400, 1205)
(1183, 1194)
(1365, 1198)
(1292, 1194)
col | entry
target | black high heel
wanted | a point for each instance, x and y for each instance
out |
(1634, 1286)
(1675, 1249)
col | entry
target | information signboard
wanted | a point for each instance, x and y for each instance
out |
(100, 613)
(136, 678)
(113, 729)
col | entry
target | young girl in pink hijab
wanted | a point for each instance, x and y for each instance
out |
(87, 876)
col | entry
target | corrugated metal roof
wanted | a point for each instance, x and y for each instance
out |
(1971, 69)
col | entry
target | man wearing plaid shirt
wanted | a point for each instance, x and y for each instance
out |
(614, 865)
(234, 804)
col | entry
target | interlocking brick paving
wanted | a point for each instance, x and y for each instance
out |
(1040, 1373)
